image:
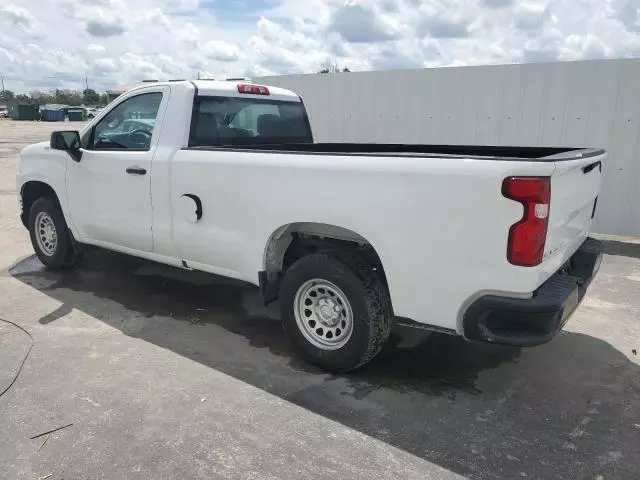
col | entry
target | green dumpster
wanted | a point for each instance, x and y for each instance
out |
(24, 112)
(77, 115)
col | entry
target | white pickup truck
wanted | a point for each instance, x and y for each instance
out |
(490, 243)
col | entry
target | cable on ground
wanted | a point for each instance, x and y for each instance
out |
(15, 378)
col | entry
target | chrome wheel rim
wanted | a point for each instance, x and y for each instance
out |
(46, 234)
(323, 314)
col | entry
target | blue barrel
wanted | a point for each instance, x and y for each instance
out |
(53, 115)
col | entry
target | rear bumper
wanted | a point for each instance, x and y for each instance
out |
(536, 320)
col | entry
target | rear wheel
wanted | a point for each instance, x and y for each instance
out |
(50, 237)
(335, 309)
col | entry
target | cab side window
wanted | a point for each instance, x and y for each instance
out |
(129, 126)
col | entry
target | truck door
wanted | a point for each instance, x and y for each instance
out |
(109, 189)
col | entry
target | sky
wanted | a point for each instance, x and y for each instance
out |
(53, 43)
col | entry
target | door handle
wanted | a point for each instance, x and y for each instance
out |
(136, 171)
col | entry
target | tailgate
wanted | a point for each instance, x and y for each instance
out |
(575, 186)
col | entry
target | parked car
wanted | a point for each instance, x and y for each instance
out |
(488, 243)
(4, 112)
(93, 112)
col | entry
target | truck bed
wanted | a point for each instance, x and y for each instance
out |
(542, 154)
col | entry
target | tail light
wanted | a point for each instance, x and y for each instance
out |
(527, 237)
(253, 89)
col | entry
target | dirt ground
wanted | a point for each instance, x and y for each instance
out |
(162, 373)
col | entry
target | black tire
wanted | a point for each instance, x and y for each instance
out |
(367, 296)
(67, 253)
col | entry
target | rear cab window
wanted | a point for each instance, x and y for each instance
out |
(247, 121)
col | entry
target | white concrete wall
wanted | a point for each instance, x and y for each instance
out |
(582, 104)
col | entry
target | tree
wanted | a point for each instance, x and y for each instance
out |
(334, 69)
(39, 98)
(60, 96)
(67, 97)
(7, 96)
(90, 97)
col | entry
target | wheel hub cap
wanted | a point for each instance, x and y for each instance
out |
(323, 314)
(49, 233)
(328, 312)
(46, 234)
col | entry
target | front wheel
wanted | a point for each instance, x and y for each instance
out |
(50, 236)
(336, 310)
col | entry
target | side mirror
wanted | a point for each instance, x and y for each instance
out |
(69, 141)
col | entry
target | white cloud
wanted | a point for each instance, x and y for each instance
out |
(34, 48)
(106, 65)
(531, 16)
(497, 3)
(105, 25)
(104, 3)
(628, 12)
(578, 47)
(122, 41)
(156, 17)
(189, 34)
(96, 48)
(443, 27)
(359, 23)
(19, 17)
(221, 50)
(182, 5)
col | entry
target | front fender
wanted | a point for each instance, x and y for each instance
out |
(39, 163)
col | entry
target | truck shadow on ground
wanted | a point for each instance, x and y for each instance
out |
(625, 249)
(569, 409)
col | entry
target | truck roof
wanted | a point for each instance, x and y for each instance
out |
(215, 87)
(226, 89)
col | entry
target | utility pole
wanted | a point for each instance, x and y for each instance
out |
(2, 77)
(198, 75)
(86, 80)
